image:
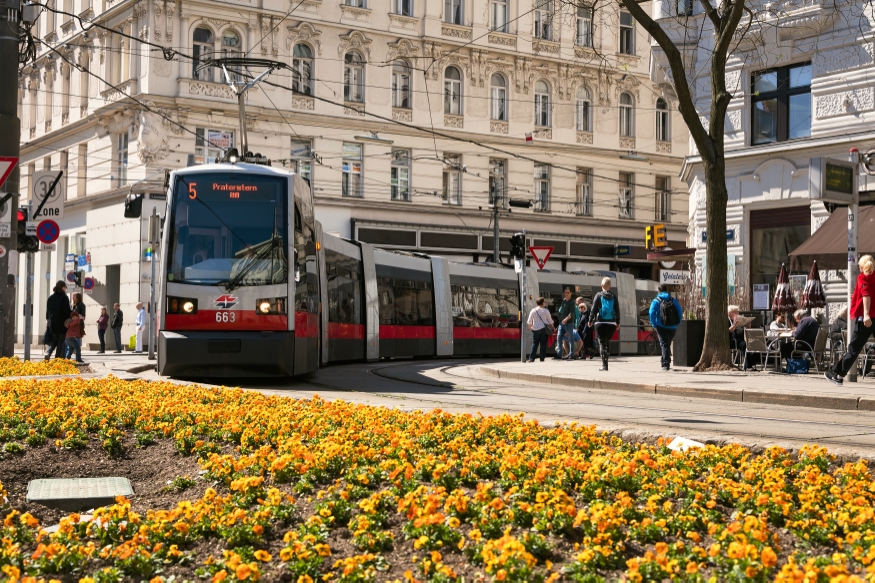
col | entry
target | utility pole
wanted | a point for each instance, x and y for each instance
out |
(10, 135)
(154, 237)
(495, 203)
(853, 254)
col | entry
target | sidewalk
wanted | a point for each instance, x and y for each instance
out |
(642, 374)
(123, 364)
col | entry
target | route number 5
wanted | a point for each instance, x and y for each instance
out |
(192, 192)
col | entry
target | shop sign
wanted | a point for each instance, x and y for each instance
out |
(673, 276)
(730, 235)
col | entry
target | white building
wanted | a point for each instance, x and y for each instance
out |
(372, 82)
(802, 83)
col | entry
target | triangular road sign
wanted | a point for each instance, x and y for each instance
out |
(537, 252)
(7, 165)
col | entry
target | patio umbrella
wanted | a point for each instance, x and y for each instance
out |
(784, 300)
(813, 296)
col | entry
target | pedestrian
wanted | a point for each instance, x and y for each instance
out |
(141, 326)
(102, 323)
(74, 336)
(605, 315)
(57, 313)
(539, 322)
(665, 317)
(584, 330)
(79, 307)
(118, 318)
(566, 325)
(861, 312)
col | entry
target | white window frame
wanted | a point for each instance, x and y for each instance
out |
(663, 121)
(453, 92)
(627, 195)
(353, 78)
(355, 3)
(627, 116)
(452, 179)
(498, 15)
(302, 71)
(662, 206)
(542, 106)
(353, 167)
(403, 7)
(199, 49)
(583, 112)
(301, 157)
(542, 187)
(401, 81)
(543, 28)
(498, 98)
(627, 34)
(454, 12)
(229, 50)
(583, 31)
(400, 175)
(122, 158)
(207, 152)
(684, 7)
(584, 192)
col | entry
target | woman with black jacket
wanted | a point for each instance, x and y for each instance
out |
(57, 312)
(605, 314)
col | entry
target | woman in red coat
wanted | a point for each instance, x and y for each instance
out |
(862, 311)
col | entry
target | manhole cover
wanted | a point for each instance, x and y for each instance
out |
(74, 494)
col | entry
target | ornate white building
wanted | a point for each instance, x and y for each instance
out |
(407, 117)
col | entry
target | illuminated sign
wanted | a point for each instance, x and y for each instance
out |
(654, 236)
(233, 190)
(831, 180)
(839, 178)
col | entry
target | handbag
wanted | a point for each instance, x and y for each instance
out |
(47, 335)
(548, 327)
(797, 366)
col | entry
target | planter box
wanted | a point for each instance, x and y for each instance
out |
(688, 343)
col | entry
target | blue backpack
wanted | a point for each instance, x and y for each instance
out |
(606, 312)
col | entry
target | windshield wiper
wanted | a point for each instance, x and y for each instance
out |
(254, 260)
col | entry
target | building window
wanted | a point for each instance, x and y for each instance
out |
(498, 15)
(453, 11)
(121, 159)
(663, 199)
(231, 47)
(498, 98)
(210, 145)
(404, 7)
(401, 85)
(542, 104)
(583, 36)
(353, 172)
(122, 59)
(627, 195)
(302, 70)
(627, 33)
(301, 156)
(452, 179)
(781, 101)
(401, 175)
(627, 116)
(498, 182)
(663, 131)
(452, 91)
(685, 7)
(203, 46)
(82, 166)
(584, 110)
(584, 191)
(544, 19)
(355, 3)
(353, 78)
(542, 187)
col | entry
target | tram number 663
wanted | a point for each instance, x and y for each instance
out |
(226, 317)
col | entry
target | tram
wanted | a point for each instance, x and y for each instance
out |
(249, 285)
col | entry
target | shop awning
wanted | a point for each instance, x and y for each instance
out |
(829, 244)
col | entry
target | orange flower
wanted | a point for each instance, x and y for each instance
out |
(768, 558)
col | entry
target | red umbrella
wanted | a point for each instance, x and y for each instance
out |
(813, 296)
(784, 300)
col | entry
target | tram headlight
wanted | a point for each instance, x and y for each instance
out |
(264, 307)
(271, 306)
(186, 306)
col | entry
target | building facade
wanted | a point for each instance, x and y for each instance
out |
(409, 118)
(801, 79)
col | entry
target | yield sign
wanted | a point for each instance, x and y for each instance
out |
(538, 252)
(7, 165)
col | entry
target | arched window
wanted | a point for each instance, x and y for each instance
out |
(452, 91)
(663, 131)
(353, 78)
(499, 97)
(401, 85)
(542, 104)
(231, 48)
(627, 116)
(302, 70)
(584, 110)
(203, 46)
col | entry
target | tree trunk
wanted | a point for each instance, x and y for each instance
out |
(715, 352)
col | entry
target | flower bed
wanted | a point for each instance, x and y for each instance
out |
(313, 490)
(15, 367)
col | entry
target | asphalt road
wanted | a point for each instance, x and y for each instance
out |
(457, 386)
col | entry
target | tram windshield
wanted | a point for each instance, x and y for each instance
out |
(229, 229)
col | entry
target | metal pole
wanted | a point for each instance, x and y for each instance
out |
(153, 227)
(244, 141)
(28, 303)
(495, 222)
(523, 295)
(854, 157)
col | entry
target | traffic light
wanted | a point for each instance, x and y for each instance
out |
(26, 243)
(518, 246)
(78, 275)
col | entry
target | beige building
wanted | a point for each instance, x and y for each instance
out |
(407, 116)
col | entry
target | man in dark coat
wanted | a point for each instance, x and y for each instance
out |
(118, 318)
(57, 312)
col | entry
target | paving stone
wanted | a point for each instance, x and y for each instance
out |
(73, 494)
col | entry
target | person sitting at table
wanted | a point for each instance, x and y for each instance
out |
(778, 324)
(736, 335)
(806, 331)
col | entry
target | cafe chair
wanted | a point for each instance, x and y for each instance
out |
(818, 351)
(868, 359)
(756, 342)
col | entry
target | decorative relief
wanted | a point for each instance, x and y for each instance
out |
(355, 40)
(65, 118)
(210, 89)
(478, 66)
(299, 102)
(543, 133)
(401, 48)
(355, 13)
(454, 121)
(406, 22)
(540, 46)
(604, 88)
(505, 40)
(350, 108)
(628, 84)
(433, 52)
(627, 143)
(304, 32)
(33, 132)
(48, 127)
(663, 147)
(463, 32)
(307, 6)
(584, 137)
(68, 27)
(404, 115)
(154, 126)
(169, 11)
(844, 102)
(583, 52)
(498, 127)
(501, 65)
(523, 74)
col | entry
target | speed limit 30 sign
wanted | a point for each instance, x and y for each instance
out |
(53, 208)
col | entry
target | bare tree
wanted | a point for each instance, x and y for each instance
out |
(725, 18)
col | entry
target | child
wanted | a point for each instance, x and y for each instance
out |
(74, 334)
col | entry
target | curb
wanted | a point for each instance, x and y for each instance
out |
(759, 396)
(144, 367)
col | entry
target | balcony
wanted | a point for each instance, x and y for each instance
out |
(355, 13)
(498, 127)
(454, 121)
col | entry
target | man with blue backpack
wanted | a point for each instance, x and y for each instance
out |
(665, 317)
(605, 314)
